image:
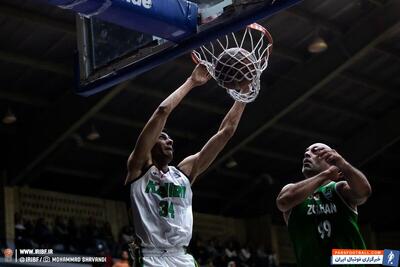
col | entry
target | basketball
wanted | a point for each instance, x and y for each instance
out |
(235, 68)
(237, 61)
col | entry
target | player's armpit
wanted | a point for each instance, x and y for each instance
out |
(186, 165)
(135, 167)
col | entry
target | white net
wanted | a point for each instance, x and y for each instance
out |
(236, 61)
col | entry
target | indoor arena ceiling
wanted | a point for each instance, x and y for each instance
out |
(347, 96)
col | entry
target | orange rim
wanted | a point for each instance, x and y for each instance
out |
(258, 27)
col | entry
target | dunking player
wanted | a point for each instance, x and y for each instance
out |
(161, 194)
(321, 211)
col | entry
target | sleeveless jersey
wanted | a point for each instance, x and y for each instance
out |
(162, 208)
(320, 223)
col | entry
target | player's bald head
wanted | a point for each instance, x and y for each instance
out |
(312, 164)
(318, 145)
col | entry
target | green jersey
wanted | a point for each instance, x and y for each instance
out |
(320, 223)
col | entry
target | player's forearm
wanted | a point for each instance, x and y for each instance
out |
(170, 103)
(232, 118)
(357, 181)
(294, 194)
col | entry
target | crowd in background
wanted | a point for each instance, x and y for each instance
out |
(66, 236)
(230, 253)
(94, 238)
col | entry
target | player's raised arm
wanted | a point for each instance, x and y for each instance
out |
(195, 164)
(355, 188)
(292, 195)
(140, 157)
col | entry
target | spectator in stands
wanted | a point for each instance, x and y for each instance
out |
(124, 261)
(102, 251)
(272, 259)
(231, 255)
(30, 232)
(245, 256)
(60, 235)
(126, 235)
(261, 258)
(90, 235)
(215, 253)
(219, 260)
(73, 236)
(201, 254)
(212, 249)
(43, 235)
(21, 235)
(107, 236)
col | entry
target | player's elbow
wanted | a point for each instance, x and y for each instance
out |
(285, 199)
(366, 191)
(163, 110)
(283, 202)
(128, 178)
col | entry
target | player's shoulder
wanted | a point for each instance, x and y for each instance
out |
(149, 170)
(176, 171)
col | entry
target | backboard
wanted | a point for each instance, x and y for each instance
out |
(120, 39)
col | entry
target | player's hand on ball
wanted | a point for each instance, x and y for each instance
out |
(200, 75)
(244, 87)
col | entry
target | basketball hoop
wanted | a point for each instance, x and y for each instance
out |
(237, 62)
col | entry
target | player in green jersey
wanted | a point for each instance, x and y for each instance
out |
(321, 210)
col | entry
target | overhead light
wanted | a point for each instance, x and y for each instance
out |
(317, 45)
(93, 135)
(9, 117)
(231, 163)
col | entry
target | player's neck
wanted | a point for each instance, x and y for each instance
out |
(161, 163)
(162, 166)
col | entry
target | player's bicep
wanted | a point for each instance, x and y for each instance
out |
(210, 151)
(284, 198)
(186, 166)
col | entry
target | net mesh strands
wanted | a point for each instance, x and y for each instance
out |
(237, 60)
